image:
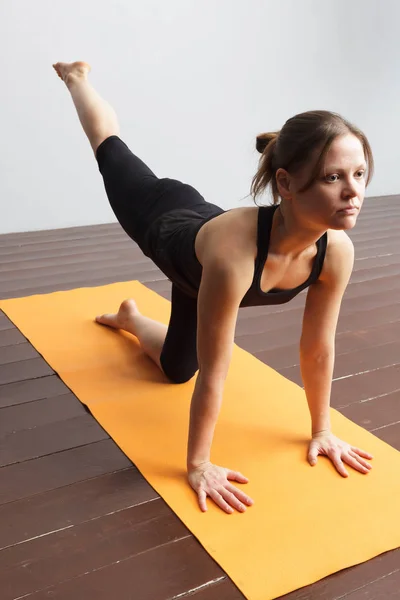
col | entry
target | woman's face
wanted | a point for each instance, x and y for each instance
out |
(334, 200)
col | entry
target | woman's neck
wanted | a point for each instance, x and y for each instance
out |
(289, 236)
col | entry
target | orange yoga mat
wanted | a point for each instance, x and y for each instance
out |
(306, 523)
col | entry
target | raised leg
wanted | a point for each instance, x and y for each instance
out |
(99, 122)
(97, 117)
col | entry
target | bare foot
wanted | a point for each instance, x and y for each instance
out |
(123, 319)
(71, 71)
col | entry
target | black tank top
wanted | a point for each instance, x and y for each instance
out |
(175, 254)
(255, 295)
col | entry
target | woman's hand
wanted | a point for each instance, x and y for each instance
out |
(209, 480)
(338, 452)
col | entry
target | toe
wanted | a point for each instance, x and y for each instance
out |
(110, 320)
(103, 318)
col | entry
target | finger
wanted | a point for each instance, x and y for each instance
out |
(232, 500)
(353, 462)
(236, 476)
(202, 497)
(337, 461)
(239, 494)
(362, 453)
(313, 454)
(219, 501)
(362, 462)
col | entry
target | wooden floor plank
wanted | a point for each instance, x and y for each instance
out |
(61, 248)
(159, 574)
(72, 552)
(364, 386)
(387, 588)
(5, 322)
(287, 355)
(73, 504)
(39, 413)
(30, 390)
(389, 434)
(30, 273)
(357, 387)
(26, 369)
(80, 277)
(366, 249)
(17, 263)
(28, 478)
(224, 589)
(16, 353)
(336, 586)
(284, 333)
(75, 235)
(367, 359)
(86, 278)
(376, 412)
(11, 337)
(50, 438)
(384, 311)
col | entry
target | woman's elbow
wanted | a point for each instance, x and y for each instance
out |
(317, 354)
(211, 381)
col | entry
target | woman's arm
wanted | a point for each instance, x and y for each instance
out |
(224, 283)
(317, 348)
(218, 303)
(317, 343)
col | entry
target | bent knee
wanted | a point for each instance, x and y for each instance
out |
(99, 137)
(181, 376)
(177, 373)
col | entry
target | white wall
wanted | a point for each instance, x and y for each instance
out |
(193, 82)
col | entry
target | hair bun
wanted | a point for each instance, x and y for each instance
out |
(264, 139)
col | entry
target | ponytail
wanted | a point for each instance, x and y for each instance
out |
(265, 144)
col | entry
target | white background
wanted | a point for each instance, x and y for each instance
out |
(193, 82)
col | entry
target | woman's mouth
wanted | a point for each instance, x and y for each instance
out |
(350, 210)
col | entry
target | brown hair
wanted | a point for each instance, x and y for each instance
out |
(292, 147)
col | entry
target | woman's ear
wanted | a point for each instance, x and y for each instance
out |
(284, 184)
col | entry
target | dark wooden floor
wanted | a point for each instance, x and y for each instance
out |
(77, 520)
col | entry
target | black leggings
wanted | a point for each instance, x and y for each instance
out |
(138, 197)
(179, 353)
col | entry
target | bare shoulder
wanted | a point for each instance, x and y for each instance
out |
(226, 248)
(339, 258)
(339, 241)
(230, 238)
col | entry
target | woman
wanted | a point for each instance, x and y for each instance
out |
(318, 166)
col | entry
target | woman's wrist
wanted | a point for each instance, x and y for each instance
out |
(320, 423)
(319, 432)
(193, 463)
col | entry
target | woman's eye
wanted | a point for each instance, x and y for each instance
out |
(360, 173)
(332, 178)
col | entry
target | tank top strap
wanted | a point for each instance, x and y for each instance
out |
(264, 226)
(322, 244)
